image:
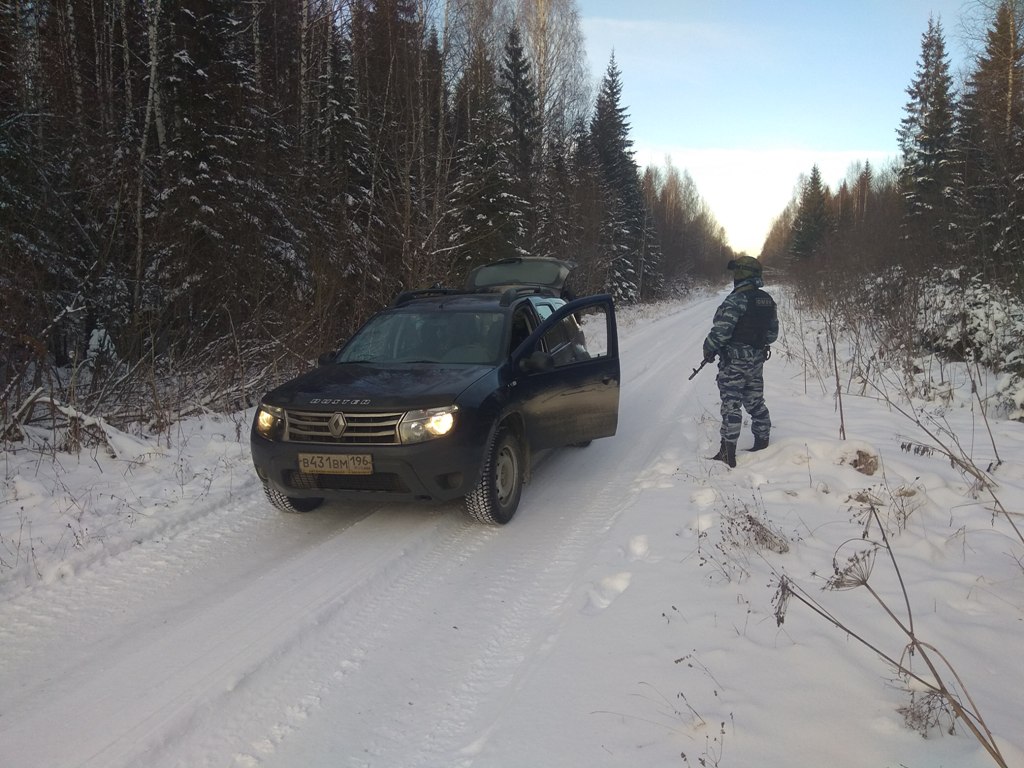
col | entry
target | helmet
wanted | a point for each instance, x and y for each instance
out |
(744, 267)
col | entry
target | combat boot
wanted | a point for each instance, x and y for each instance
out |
(726, 453)
(760, 443)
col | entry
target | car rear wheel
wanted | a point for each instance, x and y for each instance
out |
(496, 497)
(290, 504)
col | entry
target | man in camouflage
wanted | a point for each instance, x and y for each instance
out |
(745, 324)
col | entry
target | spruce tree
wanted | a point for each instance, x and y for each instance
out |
(812, 222)
(586, 205)
(625, 240)
(519, 97)
(337, 205)
(387, 56)
(554, 206)
(228, 235)
(487, 213)
(992, 141)
(927, 139)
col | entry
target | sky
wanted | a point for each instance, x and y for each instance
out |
(156, 611)
(748, 95)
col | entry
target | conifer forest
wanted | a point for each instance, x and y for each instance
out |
(197, 196)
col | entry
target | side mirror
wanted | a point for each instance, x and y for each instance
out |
(327, 358)
(537, 362)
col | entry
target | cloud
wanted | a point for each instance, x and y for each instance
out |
(747, 189)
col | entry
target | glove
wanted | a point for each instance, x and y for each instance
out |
(709, 357)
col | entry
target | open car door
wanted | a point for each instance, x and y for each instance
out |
(567, 375)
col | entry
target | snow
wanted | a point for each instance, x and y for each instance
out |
(156, 611)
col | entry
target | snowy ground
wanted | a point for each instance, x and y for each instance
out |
(155, 611)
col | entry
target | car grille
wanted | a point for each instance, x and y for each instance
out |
(383, 481)
(360, 428)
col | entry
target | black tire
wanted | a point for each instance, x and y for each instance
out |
(496, 496)
(290, 504)
(584, 444)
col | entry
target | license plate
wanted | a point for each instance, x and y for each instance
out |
(336, 463)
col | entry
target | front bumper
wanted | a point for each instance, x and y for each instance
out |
(436, 470)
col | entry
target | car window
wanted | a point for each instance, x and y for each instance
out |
(593, 323)
(523, 324)
(546, 305)
(428, 336)
(564, 342)
(379, 340)
(580, 336)
(473, 337)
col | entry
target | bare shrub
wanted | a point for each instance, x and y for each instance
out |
(937, 687)
(744, 529)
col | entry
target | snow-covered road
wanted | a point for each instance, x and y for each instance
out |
(216, 643)
(603, 627)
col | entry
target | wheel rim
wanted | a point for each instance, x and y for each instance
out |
(506, 474)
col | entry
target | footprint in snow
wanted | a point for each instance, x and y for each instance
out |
(638, 549)
(660, 474)
(603, 593)
(704, 497)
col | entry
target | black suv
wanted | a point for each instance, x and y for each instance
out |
(446, 394)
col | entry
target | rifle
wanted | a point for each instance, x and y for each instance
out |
(698, 369)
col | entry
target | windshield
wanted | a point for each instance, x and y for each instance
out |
(428, 337)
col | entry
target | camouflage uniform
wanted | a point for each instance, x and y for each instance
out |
(744, 325)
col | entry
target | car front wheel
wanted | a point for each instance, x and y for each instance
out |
(496, 497)
(290, 504)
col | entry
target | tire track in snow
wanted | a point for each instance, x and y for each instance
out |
(313, 625)
(328, 649)
(653, 355)
(519, 612)
(172, 664)
(117, 586)
(449, 672)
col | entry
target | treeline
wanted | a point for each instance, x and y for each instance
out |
(180, 175)
(954, 202)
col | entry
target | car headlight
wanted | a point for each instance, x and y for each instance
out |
(417, 426)
(270, 422)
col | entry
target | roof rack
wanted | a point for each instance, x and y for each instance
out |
(406, 296)
(509, 294)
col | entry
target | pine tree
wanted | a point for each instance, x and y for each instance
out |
(927, 139)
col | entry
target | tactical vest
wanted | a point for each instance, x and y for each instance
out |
(752, 327)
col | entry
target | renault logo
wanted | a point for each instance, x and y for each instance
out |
(336, 424)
